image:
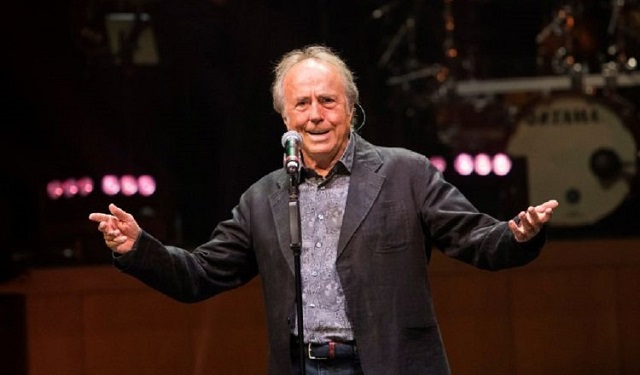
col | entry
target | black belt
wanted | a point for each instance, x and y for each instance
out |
(331, 350)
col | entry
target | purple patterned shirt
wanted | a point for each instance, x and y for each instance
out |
(322, 203)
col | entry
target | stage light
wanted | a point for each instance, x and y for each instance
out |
(146, 185)
(502, 164)
(110, 185)
(54, 189)
(482, 164)
(439, 162)
(85, 186)
(632, 63)
(69, 188)
(463, 164)
(128, 185)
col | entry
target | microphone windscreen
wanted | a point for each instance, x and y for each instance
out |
(291, 135)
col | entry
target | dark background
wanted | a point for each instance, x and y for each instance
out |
(201, 119)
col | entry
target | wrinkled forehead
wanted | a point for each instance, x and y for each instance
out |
(313, 72)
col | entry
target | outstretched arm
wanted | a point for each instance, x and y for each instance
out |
(120, 230)
(532, 220)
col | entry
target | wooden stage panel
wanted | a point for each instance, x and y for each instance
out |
(573, 311)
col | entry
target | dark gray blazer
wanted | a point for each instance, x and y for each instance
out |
(398, 209)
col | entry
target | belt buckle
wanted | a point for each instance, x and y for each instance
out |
(311, 356)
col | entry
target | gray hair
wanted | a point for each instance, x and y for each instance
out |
(317, 52)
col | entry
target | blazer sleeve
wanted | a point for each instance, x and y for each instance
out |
(460, 231)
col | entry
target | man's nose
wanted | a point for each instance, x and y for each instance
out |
(315, 114)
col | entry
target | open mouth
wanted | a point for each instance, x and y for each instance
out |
(317, 132)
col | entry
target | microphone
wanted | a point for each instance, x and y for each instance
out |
(291, 141)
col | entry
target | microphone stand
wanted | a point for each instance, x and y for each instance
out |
(296, 246)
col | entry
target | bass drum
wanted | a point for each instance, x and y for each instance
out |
(578, 150)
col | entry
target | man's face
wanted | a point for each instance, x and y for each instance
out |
(315, 105)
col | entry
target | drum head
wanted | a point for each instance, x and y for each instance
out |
(579, 151)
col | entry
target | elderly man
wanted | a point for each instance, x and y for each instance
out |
(369, 219)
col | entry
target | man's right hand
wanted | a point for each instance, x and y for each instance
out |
(120, 230)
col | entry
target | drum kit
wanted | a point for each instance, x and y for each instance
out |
(574, 121)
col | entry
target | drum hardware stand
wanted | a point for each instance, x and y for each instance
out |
(384, 9)
(616, 7)
(577, 78)
(556, 25)
(450, 50)
(611, 69)
(434, 70)
(616, 51)
(613, 48)
(442, 73)
(610, 75)
(562, 24)
(405, 31)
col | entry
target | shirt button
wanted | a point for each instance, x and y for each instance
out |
(318, 244)
(321, 216)
(314, 273)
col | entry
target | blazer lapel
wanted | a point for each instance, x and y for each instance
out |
(279, 202)
(364, 187)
